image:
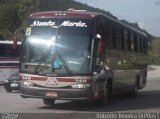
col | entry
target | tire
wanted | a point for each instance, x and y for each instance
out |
(49, 102)
(134, 92)
(8, 90)
(107, 95)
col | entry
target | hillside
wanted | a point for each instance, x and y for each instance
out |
(12, 16)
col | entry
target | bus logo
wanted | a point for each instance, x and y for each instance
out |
(64, 23)
(52, 81)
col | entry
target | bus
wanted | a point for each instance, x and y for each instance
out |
(9, 59)
(81, 55)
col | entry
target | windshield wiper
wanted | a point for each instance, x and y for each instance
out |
(64, 63)
(42, 59)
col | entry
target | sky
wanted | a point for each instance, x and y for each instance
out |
(145, 12)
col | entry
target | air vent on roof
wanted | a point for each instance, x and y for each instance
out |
(72, 9)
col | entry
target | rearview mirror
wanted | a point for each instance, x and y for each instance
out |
(101, 45)
(14, 37)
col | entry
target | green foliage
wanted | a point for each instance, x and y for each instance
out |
(5, 34)
(25, 8)
(8, 20)
(154, 53)
(13, 12)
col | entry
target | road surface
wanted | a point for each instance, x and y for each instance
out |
(147, 101)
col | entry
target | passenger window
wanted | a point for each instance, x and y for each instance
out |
(129, 41)
(122, 39)
(135, 43)
(125, 39)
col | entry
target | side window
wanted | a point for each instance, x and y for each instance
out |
(117, 39)
(125, 39)
(144, 46)
(114, 36)
(110, 35)
(141, 44)
(138, 43)
(132, 41)
(107, 41)
(101, 30)
(2, 49)
(135, 43)
(129, 41)
(122, 39)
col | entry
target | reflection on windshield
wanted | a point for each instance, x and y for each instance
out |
(73, 46)
(36, 47)
(63, 50)
(76, 52)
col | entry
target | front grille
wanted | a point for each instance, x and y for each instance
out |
(38, 86)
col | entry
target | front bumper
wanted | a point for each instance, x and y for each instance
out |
(62, 94)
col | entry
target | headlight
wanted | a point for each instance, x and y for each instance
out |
(27, 83)
(81, 85)
(6, 81)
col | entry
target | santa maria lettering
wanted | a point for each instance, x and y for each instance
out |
(38, 23)
(64, 23)
(76, 24)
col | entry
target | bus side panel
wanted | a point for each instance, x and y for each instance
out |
(126, 67)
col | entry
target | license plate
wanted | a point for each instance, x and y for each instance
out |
(14, 85)
(51, 94)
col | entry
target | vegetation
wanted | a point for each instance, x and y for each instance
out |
(14, 12)
(154, 52)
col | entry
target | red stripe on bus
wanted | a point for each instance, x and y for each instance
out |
(39, 78)
(66, 80)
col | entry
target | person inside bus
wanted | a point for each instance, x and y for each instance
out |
(83, 50)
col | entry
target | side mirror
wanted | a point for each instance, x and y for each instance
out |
(14, 37)
(101, 48)
(101, 45)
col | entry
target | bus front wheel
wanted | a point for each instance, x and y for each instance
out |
(107, 95)
(49, 102)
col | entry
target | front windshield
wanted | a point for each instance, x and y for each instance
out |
(61, 47)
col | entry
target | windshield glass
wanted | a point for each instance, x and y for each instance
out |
(61, 47)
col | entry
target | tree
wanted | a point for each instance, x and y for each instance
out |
(8, 20)
(154, 53)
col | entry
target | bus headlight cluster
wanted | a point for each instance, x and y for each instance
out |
(27, 83)
(81, 85)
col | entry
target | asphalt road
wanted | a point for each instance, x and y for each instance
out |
(147, 101)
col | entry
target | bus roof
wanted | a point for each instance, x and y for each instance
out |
(9, 42)
(83, 14)
(80, 14)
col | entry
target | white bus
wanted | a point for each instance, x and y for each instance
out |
(9, 59)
